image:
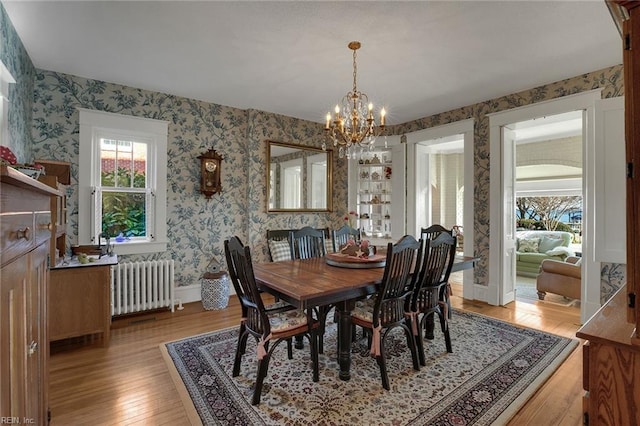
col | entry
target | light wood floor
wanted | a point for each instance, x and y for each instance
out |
(127, 382)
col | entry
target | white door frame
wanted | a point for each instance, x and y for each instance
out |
(465, 127)
(508, 197)
(590, 270)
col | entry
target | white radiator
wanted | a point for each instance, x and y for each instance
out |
(141, 286)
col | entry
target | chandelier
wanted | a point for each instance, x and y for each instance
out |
(353, 124)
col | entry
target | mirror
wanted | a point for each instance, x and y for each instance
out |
(298, 178)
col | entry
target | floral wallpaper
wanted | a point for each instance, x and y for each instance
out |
(611, 82)
(14, 56)
(44, 124)
(196, 227)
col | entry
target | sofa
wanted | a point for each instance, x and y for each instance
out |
(534, 246)
(563, 278)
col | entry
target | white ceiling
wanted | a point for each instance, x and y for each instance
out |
(417, 58)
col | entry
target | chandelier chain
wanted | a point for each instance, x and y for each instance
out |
(355, 71)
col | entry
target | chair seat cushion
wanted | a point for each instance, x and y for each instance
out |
(278, 306)
(364, 309)
(289, 320)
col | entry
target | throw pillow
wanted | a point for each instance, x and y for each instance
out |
(548, 243)
(560, 251)
(279, 250)
(527, 245)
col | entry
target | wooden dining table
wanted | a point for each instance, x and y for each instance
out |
(311, 283)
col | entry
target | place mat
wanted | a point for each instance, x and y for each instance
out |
(346, 261)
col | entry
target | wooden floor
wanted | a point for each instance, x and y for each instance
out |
(127, 382)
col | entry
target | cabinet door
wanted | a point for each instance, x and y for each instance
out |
(24, 353)
(13, 335)
(37, 344)
(79, 302)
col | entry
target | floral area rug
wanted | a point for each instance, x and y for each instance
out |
(494, 368)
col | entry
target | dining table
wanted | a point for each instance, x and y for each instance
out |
(311, 283)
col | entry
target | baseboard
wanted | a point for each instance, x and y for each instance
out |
(187, 294)
(480, 293)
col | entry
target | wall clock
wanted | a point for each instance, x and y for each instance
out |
(210, 163)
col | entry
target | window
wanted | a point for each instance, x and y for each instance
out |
(122, 182)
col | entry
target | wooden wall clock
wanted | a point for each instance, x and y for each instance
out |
(210, 163)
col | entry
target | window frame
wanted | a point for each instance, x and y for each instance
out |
(5, 80)
(95, 125)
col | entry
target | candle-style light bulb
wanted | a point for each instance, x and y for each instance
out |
(337, 111)
(328, 121)
(383, 113)
(370, 110)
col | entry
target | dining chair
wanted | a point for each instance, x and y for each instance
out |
(268, 328)
(388, 308)
(307, 243)
(342, 235)
(430, 233)
(430, 281)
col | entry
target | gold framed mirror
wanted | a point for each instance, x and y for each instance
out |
(298, 178)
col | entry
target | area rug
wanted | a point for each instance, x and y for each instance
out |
(526, 292)
(494, 368)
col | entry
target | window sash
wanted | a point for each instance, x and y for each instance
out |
(97, 214)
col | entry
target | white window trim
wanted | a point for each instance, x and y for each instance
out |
(92, 123)
(5, 79)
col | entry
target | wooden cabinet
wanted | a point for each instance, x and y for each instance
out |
(80, 299)
(627, 16)
(610, 366)
(611, 353)
(24, 276)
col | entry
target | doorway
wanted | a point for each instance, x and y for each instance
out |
(548, 197)
(503, 128)
(439, 182)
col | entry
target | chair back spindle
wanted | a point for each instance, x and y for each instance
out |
(344, 234)
(307, 243)
(393, 299)
(434, 271)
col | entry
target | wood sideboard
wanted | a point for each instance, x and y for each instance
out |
(25, 223)
(611, 363)
(80, 299)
